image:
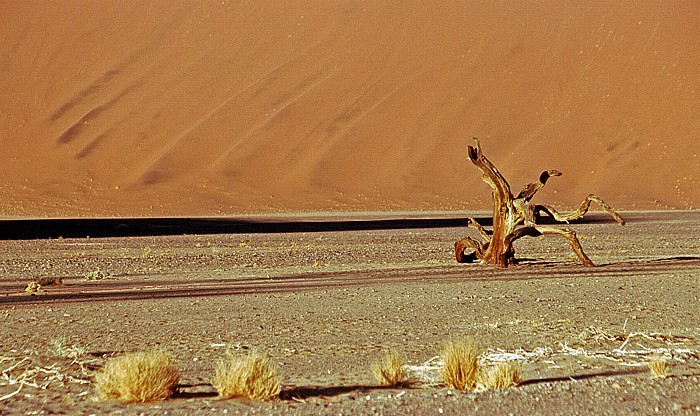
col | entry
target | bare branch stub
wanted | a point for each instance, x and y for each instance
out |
(516, 217)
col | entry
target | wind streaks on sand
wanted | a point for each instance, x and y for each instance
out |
(249, 108)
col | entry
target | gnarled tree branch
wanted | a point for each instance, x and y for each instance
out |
(531, 188)
(491, 175)
(580, 212)
(514, 218)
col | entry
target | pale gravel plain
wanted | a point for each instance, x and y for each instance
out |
(323, 305)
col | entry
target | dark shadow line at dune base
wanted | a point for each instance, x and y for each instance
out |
(30, 229)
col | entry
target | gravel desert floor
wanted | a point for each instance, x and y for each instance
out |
(324, 304)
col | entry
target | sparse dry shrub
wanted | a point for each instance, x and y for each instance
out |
(50, 280)
(97, 274)
(38, 285)
(389, 370)
(138, 377)
(461, 364)
(500, 376)
(251, 376)
(658, 367)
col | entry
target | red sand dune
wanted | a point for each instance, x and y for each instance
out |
(120, 108)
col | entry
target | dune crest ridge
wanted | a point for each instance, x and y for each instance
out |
(136, 108)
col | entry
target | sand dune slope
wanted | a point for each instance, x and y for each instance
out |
(222, 107)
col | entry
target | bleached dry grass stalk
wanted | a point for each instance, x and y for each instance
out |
(12, 394)
(389, 370)
(251, 376)
(138, 377)
(668, 348)
(23, 372)
(426, 374)
(460, 364)
(63, 348)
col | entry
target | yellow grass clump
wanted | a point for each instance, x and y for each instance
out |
(389, 370)
(461, 364)
(500, 376)
(138, 377)
(251, 376)
(658, 367)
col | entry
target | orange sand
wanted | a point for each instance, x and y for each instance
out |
(140, 108)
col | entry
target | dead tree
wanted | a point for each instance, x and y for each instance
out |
(516, 217)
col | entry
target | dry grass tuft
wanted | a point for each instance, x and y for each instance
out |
(38, 285)
(390, 371)
(500, 376)
(50, 281)
(658, 367)
(138, 377)
(34, 288)
(461, 364)
(251, 376)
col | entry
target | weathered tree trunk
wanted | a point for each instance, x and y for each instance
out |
(515, 217)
